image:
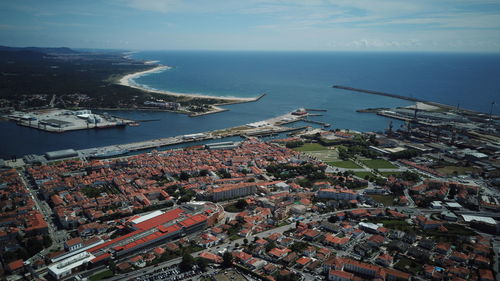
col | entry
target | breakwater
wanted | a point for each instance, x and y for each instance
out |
(443, 106)
(377, 93)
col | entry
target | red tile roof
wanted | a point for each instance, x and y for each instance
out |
(193, 220)
(303, 260)
(15, 265)
(161, 219)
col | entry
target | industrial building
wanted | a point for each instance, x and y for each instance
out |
(70, 265)
(60, 154)
(151, 229)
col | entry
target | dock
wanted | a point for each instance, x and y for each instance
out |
(61, 120)
(316, 122)
(274, 133)
(147, 120)
(269, 127)
(315, 109)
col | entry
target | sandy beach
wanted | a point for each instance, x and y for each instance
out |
(127, 80)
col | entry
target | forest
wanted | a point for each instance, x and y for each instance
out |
(32, 77)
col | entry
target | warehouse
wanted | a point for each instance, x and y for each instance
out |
(60, 154)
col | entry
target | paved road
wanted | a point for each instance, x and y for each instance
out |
(496, 251)
(57, 236)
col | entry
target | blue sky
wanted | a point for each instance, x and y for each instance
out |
(371, 25)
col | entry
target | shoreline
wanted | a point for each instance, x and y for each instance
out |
(127, 80)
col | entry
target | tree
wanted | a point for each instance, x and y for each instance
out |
(271, 245)
(227, 260)
(224, 174)
(241, 204)
(245, 241)
(112, 266)
(34, 245)
(184, 176)
(333, 219)
(47, 241)
(201, 263)
(184, 198)
(409, 176)
(293, 144)
(186, 263)
(343, 154)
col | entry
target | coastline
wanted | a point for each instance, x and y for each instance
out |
(127, 81)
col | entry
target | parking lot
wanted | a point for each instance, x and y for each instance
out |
(171, 273)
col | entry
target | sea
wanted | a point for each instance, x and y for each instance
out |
(291, 80)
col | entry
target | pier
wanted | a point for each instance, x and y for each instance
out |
(273, 133)
(315, 109)
(147, 120)
(377, 93)
(316, 122)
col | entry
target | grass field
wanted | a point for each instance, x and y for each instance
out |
(452, 233)
(386, 174)
(450, 170)
(345, 164)
(101, 275)
(387, 200)
(323, 153)
(363, 174)
(232, 208)
(379, 164)
(234, 237)
(310, 147)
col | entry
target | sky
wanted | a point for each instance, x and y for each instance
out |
(306, 25)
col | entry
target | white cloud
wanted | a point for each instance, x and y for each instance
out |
(162, 6)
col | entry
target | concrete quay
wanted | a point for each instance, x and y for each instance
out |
(61, 120)
(267, 127)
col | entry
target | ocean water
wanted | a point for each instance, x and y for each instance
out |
(291, 80)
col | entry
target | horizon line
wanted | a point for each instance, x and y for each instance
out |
(265, 50)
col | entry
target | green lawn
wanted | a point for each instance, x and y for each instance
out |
(234, 237)
(451, 235)
(363, 174)
(451, 170)
(387, 200)
(310, 147)
(379, 164)
(386, 174)
(345, 164)
(101, 275)
(232, 208)
(328, 155)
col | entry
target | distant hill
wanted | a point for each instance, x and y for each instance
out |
(60, 50)
(21, 55)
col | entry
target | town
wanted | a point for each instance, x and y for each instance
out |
(319, 204)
